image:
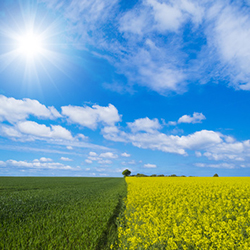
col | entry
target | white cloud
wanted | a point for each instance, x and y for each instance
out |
(2, 163)
(41, 130)
(153, 15)
(125, 154)
(153, 139)
(114, 134)
(44, 159)
(152, 66)
(144, 124)
(149, 165)
(134, 21)
(69, 147)
(82, 137)
(129, 163)
(198, 154)
(150, 60)
(105, 162)
(92, 158)
(14, 110)
(229, 36)
(108, 155)
(88, 161)
(168, 65)
(39, 165)
(172, 123)
(101, 169)
(196, 118)
(213, 145)
(65, 159)
(167, 17)
(132, 162)
(92, 154)
(220, 165)
(103, 158)
(89, 14)
(10, 131)
(90, 117)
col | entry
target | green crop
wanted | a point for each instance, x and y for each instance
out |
(59, 212)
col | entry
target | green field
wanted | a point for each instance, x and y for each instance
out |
(59, 212)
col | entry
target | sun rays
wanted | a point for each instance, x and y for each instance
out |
(32, 43)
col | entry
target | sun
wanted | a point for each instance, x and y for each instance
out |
(30, 45)
(33, 44)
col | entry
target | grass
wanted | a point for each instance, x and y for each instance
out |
(59, 212)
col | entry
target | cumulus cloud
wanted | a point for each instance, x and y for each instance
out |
(65, 159)
(10, 131)
(2, 163)
(103, 158)
(93, 154)
(41, 130)
(114, 134)
(196, 118)
(155, 140)
(90, 116)
(125, 154)
(205, 143)
(14, 110)
(172, 123)
(38, 165)
(108, 155)
(198, 154)
(149, 165)
(88, 161)
(31, 131)
(105, 161)
(144, 124)
(44, 159)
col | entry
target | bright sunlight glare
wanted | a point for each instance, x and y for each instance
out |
(30, 45)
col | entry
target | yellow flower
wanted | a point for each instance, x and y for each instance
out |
(186, 213)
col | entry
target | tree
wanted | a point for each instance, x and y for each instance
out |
(141, 175)
(216, 175)
(126, 172)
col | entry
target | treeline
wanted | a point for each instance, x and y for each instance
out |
(162, 175)
(159, 175)
(127, 172)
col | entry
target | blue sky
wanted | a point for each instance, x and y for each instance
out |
(90, 88)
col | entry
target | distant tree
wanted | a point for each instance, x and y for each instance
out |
(141, 175)
(153, 175)
(183, 176)
(160, 175)
(216, 175)
(126, 172)
(173, 175)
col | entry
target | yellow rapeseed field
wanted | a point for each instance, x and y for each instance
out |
(186, 213)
